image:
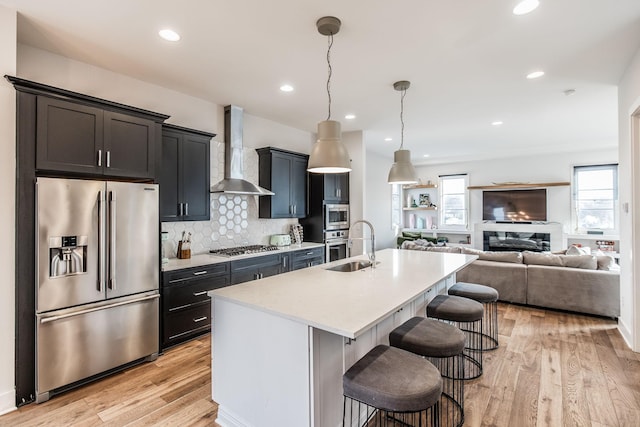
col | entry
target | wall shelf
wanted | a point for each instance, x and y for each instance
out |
(412, 186)
(420, 208)
(518, 185)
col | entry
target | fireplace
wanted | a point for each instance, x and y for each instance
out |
(516, 241)
(519, 237)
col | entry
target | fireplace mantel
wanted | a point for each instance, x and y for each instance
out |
(554, 229)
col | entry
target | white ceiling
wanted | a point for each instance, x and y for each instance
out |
(466, 60)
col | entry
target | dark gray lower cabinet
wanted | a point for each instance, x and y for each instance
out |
(307, 258)
(186, 308)
(244, 270)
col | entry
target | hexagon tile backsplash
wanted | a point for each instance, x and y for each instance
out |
(234, 218)
(234, 222)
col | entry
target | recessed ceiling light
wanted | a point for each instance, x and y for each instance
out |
(525, 6)
(496, 123)
(388, 139)
(535, 75)
(350, 116)
(425, 155)
(286, 88)
(169, 35)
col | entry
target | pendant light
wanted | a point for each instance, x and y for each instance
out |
(402, 171)
(329, 155)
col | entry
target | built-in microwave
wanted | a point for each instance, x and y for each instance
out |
(336, 217)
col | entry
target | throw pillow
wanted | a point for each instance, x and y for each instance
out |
(575, 250)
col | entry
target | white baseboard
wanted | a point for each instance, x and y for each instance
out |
(7, 402)
(626, 333)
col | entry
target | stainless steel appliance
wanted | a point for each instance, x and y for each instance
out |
(336, 217)
(97, 278)
(243, 250)
(336, 245)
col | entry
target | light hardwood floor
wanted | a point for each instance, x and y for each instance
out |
(551, 369)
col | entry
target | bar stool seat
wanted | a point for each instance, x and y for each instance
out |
(488, 297)
(443, 345)
(467, 315)
(394, 385)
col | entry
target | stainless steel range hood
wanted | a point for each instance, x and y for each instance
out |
(233, 181)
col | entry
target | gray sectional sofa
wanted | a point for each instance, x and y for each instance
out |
(582, 283)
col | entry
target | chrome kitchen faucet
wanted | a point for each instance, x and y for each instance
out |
(372, 254)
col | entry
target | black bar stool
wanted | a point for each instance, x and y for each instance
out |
(488, 297)
(391, 387)
(443, 345)
(467, 315)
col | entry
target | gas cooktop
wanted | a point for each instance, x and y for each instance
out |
(243, 250)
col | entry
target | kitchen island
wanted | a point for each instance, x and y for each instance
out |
(281, 344)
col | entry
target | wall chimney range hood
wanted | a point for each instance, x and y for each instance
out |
(233, 181)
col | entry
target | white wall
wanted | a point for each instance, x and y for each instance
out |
(8, 25)
(628, 103)
(357, 186)
(378, 199)
(533, 169)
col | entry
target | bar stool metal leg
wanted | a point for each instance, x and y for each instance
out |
(467, 315)
(488, 297)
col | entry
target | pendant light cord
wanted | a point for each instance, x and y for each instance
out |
(330, 72)
(404, 92)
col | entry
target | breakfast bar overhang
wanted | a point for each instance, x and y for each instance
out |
(281, 344)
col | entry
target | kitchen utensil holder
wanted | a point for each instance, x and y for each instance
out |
(182, 252)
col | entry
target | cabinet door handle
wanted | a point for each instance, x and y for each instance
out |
(186, 209)
(199, 319)
(100, 158)
(108, 158)
(199, 294)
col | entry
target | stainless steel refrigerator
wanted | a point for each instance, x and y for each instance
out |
(97, 278)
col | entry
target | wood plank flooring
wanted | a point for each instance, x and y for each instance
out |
(551, 369)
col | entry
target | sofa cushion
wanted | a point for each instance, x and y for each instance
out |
(506, 256)
(587, 262)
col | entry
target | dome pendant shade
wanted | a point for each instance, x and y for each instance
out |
(329, 155)
(402, 171)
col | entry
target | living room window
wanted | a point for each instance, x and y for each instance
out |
(396, 207)
(595, 197)
(454, 201)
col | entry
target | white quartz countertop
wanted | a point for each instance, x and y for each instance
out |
(347, 303)
(208, 259)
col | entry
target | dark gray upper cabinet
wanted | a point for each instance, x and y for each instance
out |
(85, 139)
(330, 187)
(185, 174)
(285, 173)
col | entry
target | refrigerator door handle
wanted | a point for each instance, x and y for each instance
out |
(112, 240)
(44, 320)
(101, 241)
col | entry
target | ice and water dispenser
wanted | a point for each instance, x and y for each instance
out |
(67, 255)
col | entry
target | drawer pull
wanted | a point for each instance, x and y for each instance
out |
(199, 273)
(199, 294)
(309, 253)
(199, 319)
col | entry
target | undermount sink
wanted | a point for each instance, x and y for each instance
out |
(350, 266)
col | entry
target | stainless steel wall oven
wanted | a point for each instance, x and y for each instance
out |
(336, 245)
